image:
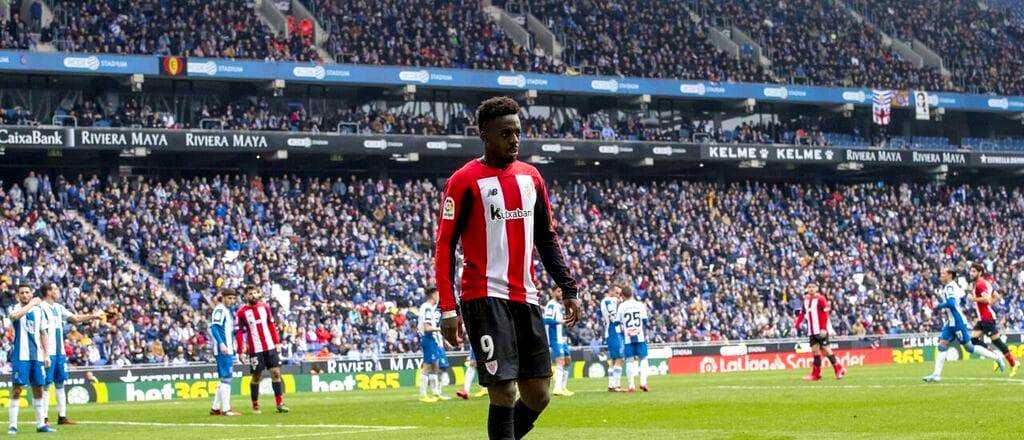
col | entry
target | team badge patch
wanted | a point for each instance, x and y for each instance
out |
(492, 366)
(448, 213)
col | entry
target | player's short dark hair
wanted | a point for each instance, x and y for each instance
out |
(23, 285)
(495, 108)
(978, 267)
(228, 292)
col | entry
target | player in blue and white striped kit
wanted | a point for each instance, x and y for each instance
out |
(222, 327)
(954, 327)
(633, 318)
(554, 320)
(57, 372)
(433, 349)
(29, 357)
(613, 337)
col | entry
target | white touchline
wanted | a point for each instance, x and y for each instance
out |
(311, 434)
(239, 425)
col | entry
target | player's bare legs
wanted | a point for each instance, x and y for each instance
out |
(275, 381)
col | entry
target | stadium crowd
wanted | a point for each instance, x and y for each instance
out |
(212, 28)
(819, 43)
(344, 260)
(453, 33)
(982, 48)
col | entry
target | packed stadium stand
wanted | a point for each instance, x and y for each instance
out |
(352, 254)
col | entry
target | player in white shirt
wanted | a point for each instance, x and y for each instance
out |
(222, 326)
(29, 357)
(633, 318)
(554, 321)
(57, 372)
(430, 340)
(613, 337)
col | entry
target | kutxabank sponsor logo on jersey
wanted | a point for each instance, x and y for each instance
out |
(500, 214)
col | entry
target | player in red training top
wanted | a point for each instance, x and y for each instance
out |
(984, 296)
(498, 208)
(257, 335)
(815, 312)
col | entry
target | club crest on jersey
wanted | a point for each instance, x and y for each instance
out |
(492, 366)
(448, 213)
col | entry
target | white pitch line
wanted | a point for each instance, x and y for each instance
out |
(239, 425)
(311, 434)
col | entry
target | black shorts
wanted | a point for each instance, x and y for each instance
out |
(264, 361)
(821, 340)
(508, 339)
(988, 328)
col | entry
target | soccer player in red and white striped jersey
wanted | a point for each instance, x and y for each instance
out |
(257, 336)
(498, 208)
(816, 313)
(984, 297)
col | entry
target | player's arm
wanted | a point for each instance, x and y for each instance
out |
(799, 319)
(546, 240)
(239, 334)
(220, 336)
(455, 208)
(18, 314)
(80, 317)
(44, 340)
(272, 324)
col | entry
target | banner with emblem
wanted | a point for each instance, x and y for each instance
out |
(882, 106)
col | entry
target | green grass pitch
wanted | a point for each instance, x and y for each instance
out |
(887, 402)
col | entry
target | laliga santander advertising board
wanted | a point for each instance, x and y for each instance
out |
(741, 360)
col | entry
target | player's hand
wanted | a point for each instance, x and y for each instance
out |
(35, 301)
(224, 350)
(572, 311)
(46, 361)
(451, 329)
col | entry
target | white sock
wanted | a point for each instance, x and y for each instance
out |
(940, 360)
(470, 377)
(224, 390)
(643, 372)
(12, 412)
(435, 383)
(40, 407)
(46, 403)
(565, 377)
(215, 404)
(558, 378)
(62, 402)
(984, 352)
(631, 373)
(424, 383)
(618, 376)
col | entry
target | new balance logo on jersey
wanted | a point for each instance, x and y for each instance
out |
(493, 192)
(503, 214)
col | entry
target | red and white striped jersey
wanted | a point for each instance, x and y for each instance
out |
(256, 330)
(815, 312)
(498, 215)
(984, 287)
